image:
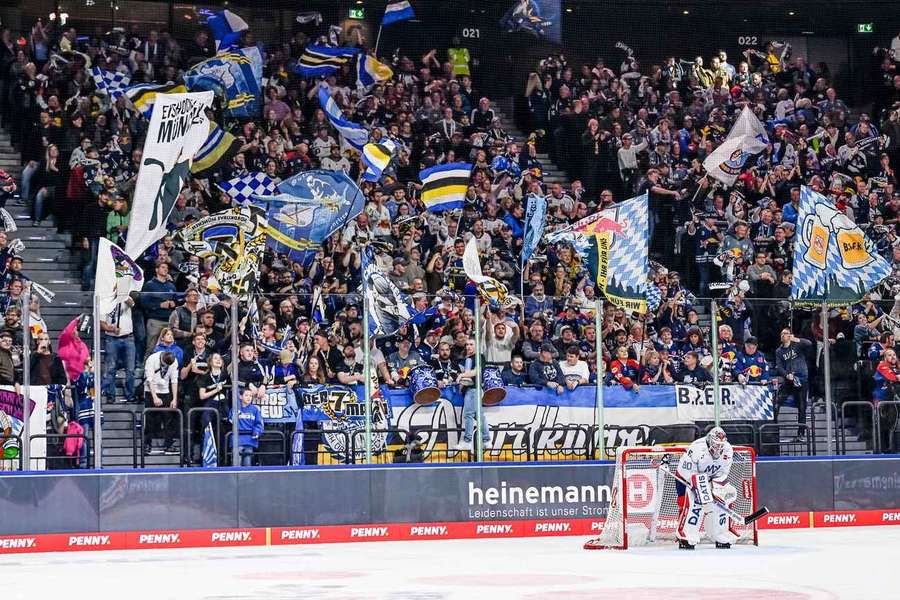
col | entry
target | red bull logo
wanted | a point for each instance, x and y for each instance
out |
(754, 371)
(610, 225)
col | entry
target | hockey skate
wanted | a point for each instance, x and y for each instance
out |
(721, 546)
(685, 545)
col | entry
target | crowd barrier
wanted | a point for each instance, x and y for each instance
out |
(192, 507)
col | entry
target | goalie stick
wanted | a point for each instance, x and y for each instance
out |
(748, 520)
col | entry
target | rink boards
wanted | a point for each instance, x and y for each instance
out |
(78, 510)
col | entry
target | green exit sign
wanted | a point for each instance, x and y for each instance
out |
(865, 28)
(357, 13)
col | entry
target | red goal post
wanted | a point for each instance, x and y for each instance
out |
(643, 505)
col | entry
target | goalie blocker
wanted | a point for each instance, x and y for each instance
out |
(664, 495)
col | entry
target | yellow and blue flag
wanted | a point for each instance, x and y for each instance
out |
(235, 76)
(834, 261)
(143, 95)
(321, 61)
(377, 157)
(444, 187)
(369, 71)
(218, 147)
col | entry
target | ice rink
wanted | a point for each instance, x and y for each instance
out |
(819, 564)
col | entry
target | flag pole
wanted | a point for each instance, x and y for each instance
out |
(479, 446)
(367, 390)
(235, 392)
(717, 397)
(829, 433)
(378, 40)
(98, 396)
(598, 321)
(25, 442)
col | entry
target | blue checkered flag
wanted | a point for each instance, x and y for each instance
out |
(210, 453)
(242, 189)
(112, 83)
(834, 261)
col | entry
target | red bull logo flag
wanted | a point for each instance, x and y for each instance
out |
(615, 244)
(746, 138)
(834, 261)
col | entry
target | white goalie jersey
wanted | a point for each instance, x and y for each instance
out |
(698, 460)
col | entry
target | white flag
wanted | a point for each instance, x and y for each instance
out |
(117, 276)
(746, 138)
(178, 129)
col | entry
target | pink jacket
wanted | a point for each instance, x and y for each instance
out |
(72, 446)
(72, 350)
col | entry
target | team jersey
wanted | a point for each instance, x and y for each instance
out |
(698, 460)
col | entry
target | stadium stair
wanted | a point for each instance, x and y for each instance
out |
(552, 173)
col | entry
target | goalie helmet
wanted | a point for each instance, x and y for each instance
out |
(715, 442)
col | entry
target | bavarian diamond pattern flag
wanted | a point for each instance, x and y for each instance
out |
(834, 262)
(614, 242)
(242, 189)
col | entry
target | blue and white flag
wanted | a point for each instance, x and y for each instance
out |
(308, 208)
(355, 135)
(226, 28)
(235, 76)
(210, 453)
(444, 187)
(321, 61)
(388, 307)
(369, 71)
(535, 218)
(834, 261)
(614, 243)
(397, 11)
(242, 189)
(113, 83)
(746, 138)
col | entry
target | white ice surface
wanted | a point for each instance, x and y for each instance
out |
(821, 564)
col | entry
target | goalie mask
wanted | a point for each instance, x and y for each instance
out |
(715, 442)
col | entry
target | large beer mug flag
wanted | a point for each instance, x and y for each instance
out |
(834, 262)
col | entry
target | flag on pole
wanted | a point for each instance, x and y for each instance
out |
(321, 61)
(369, 71)
(218, 147)
(226, 28)
(388, 307)
(113, 83)
(397, 11)
(614, 243)
(834, 261)
(535, 215)
(143, 95)
(235, 76)
(177, 130)
(355, 135)
(242, 189)
(117, 276)
(308, 208)
(491, 290)
(444, 187)
(746, 138)
(377, 157)
(210, 453)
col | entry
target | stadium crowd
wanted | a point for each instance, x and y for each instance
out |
(618, 132)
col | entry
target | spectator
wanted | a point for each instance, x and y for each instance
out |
(545, 372)
(792, 373)
(575, 372)
(466, 380)
(160, 391)
(250, 427)
(158, 303)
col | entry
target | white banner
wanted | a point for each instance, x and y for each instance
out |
(117, 276)
(11, 413)
(746, 138)
(178, 129)
(739, 403)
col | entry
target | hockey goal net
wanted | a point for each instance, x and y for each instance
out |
(644, 502)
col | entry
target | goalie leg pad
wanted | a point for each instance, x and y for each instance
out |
(690, 518)
(719, 525)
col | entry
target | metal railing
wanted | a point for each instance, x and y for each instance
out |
(520, 449)
(63, 461)
(772, 443)
(135, 442)
(437, 443)
(215, 419)
(562, 442)
(270, 443)
(886, 426)
(871, 428)
(394, 439)
(179, 435)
